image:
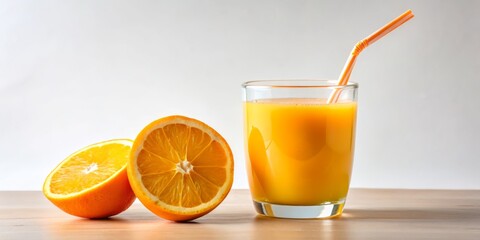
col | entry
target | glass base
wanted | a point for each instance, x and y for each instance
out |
(326, 210)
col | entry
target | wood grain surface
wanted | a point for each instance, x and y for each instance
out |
(369, 214)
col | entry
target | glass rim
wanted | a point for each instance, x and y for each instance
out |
(298, 83)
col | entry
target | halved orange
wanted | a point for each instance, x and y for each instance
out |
(92, 182)
(180, 168)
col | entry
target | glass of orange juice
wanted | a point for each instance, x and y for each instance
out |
(299, 147)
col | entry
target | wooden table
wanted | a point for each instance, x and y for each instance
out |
(369, 214)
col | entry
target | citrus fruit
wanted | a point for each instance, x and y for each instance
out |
(92, 182)
(180, 168)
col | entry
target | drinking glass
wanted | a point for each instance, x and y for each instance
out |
(299, 147)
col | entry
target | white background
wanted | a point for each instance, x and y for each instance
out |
(74, 73)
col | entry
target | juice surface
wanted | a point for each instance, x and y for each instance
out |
(299, 151)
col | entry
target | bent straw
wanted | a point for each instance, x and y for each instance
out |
(358, 48)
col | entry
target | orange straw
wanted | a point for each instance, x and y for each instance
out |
(358, 48)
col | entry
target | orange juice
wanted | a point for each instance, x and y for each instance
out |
(299, 151)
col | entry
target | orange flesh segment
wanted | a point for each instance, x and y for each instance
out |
(89, 168)
(198, 180)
